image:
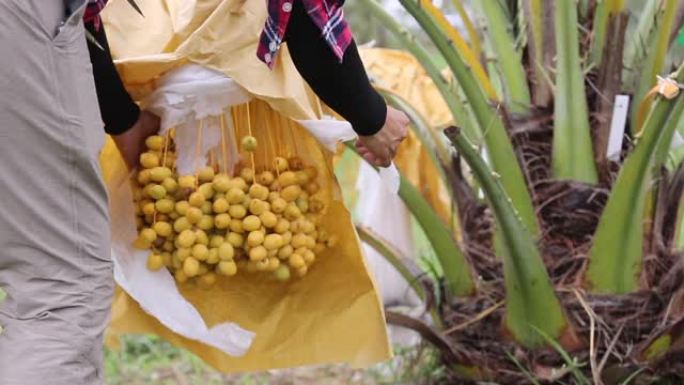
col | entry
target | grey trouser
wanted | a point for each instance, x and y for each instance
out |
(54, 233)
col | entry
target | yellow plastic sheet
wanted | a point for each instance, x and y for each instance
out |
(401, 73)
(333, 314)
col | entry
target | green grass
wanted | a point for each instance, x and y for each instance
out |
(145, 360)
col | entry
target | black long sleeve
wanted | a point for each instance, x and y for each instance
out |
(344, 86)
(119, 111)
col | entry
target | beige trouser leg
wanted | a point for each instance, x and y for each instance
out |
(54, 233)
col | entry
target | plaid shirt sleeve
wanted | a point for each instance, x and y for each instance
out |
(92, 13)
(326, 14)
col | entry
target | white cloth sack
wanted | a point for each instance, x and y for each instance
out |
(383, 212)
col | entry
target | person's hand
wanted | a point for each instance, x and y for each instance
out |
(380, 149)
(132, 142)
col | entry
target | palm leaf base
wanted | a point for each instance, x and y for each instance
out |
(639, 334)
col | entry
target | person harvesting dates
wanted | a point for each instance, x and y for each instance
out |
(54, 228)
